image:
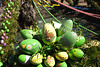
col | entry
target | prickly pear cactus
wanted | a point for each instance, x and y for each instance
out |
(48, 34)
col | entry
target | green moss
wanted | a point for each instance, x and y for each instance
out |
(91, 57)
(9, 49)
(92, 54)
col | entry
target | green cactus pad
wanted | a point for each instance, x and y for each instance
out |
(66, 26)
(30, 46)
